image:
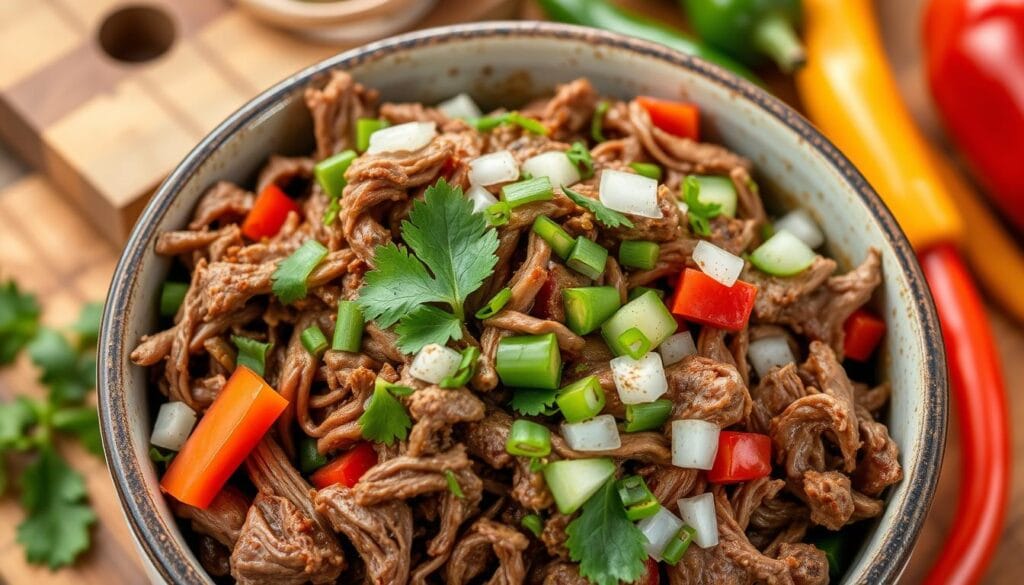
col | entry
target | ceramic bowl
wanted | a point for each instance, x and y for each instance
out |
(508, 63)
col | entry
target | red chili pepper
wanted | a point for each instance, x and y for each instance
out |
(980, 399)
(975, 58)
(673, 117)
(704, 300)
(346, 469)
(268, 213)
(741, 457)
(863, 331)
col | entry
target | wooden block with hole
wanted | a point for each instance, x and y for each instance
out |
(105, 96)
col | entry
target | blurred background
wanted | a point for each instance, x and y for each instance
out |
(99, 99)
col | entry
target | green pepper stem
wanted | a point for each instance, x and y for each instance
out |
(775, 37)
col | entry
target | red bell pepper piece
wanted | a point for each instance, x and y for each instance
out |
(704, 300)
(675, 118)
(346, 469)
(651, 576)
(268, 213)
(741, 457)
(975, 59)
(230, 429)
(863, 330)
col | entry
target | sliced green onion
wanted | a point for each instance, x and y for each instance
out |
(251, 353)
(529, 361)
(528, 191)
(634, 343)
(330, 172)
(488, 123)
(289, 279)
(676, 548)
(498, 214)
(171, 296)
(783, 255)
(649, 170)
(310, 458)
(639, 290)
(597, 122)
(528, 439)
(647, 416)
(638, 254)
(467, 366)
(453, 484)
(648, 314)
(331, 211)
(348, 330)
(586, 308)
(573, 481)
(314, 341)
(588, 258)
(497, 303)
(364, 128)
(560, 241)
(580, 156)
(637, 498)
(533, 523)
(717, 190)
(581, 400)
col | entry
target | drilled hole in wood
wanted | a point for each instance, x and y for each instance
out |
(135, 34)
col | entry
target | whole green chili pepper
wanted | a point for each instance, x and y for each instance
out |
(601, 14)
(749, 30)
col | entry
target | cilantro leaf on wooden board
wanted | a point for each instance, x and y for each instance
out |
(83, 423)
(698, 213)
(19, 320)
(609, 217)
(68, 373)
(384, 418)
(608, 547)
(532, 401)
(450, 253)
(56, 528)
(87, 327)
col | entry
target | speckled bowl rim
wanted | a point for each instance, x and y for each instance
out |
(141, 507)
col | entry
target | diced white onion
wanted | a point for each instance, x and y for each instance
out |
(460, 106)
(435, 363)
(596, 434)
(641, 380)
(800, 223)
(554, 165)
(676, 347)
(630, 193)
(717, 263)
(174, 423)
(481, 198)
(403, 137)
(493, 168)
(768, 352)
(698, 513)
(659, 530)
(694, 443)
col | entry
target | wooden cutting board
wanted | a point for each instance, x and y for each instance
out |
(80, 101)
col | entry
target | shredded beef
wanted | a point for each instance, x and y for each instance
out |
(472, 555)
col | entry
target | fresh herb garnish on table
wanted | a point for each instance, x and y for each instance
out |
(452, 252)
(698, 213)
(57, 514)
(609, 217)
(608, 547)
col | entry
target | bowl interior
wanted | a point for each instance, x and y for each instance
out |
(508, 63)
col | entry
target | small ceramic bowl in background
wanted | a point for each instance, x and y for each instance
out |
(504, 63)
(340, 21)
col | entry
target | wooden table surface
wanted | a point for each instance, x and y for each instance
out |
(55, 253)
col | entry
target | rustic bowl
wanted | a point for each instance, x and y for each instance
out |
(507, 63)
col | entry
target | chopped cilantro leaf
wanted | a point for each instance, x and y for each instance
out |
(580, 156)
(453, 484)
(608, 547)
(384, 419)
(698, 213)
(15, 417)
(454, 253)
(533, 401)
(19, 320)
(597, 122)
(609, 217)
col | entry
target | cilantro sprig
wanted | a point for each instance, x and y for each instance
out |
(608, 547)
(580, 156)
(533, 401)
(384, 418)
(608, 217)
(698, 213)
(57, 514)
(450, 251)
